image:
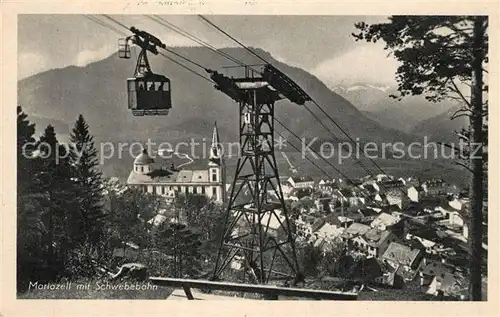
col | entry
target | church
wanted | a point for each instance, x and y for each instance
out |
(206, 176)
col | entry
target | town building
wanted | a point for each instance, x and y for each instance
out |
(383, 221)
(435, 277)
(205, 176)
(370, 241)
(435, 187)
(412, 194)
(405, 260)
(301, 182)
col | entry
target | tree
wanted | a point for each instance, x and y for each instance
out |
(30, 228)
(55, 186)
(128, 211)
(183, 245)
(88, 181)
(311, 260)
(25, 133)
(206, 216)
(439, 55)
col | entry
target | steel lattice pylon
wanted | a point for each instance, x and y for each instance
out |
(256, 205)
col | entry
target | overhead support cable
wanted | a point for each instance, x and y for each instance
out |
(187, 68)
(310, 98)
(115, 21)
(164, 48)
(104, 24)
(180, 31)
(195, 39)
(315, 152)
(307, 158)
(241, 44)
(112, 28)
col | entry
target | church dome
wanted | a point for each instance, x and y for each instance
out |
(143, 159)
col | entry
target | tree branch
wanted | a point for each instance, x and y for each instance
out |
(454, 28)
(459, 113)
(458, 99)
(456, 90)
(467, 84)
(464, 166)
(454, 149)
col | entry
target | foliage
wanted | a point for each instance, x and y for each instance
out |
(87, 178)
(302, 192)
(45, 203)
(30, 227)
(311, 260)
(206, 216)
(183, 245)
(128, 211)
(439, 55)
(435, 52)
(322, 260)
(53, 185)
(25, 133)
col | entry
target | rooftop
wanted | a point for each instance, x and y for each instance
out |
(356, 229)
(400, 254)
(143, 158)
(384, 219)
(299, 179)
(376, 237)
(167, 176)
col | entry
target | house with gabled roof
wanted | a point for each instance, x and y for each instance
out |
(326, 234)
(384, 220)
(435, 187)
(436, 277)
(377, 241)
(301, 181)
(354, 230)
(363, 238)
(398, 255)
(405, 260)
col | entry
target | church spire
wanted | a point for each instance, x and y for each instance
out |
(215, 135)
(215, 149)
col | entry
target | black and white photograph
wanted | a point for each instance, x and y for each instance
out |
(252, 157)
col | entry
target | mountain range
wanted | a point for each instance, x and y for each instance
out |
(441, 127)
(405, 115)
(98, 91)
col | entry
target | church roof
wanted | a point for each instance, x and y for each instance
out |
(176, 168)
(143, 158)
(170, 177)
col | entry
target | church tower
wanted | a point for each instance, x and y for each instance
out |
(216, 168)
(143, 163)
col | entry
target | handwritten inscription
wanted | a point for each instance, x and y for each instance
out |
(171, 2)
(183, 2)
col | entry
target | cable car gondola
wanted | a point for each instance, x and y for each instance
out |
(148, 93)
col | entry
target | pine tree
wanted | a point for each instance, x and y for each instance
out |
(30, 228)
(25, 133)
(88, 183)
(59, 198)
(438, 54)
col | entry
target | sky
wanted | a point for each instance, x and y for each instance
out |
(322, 45)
